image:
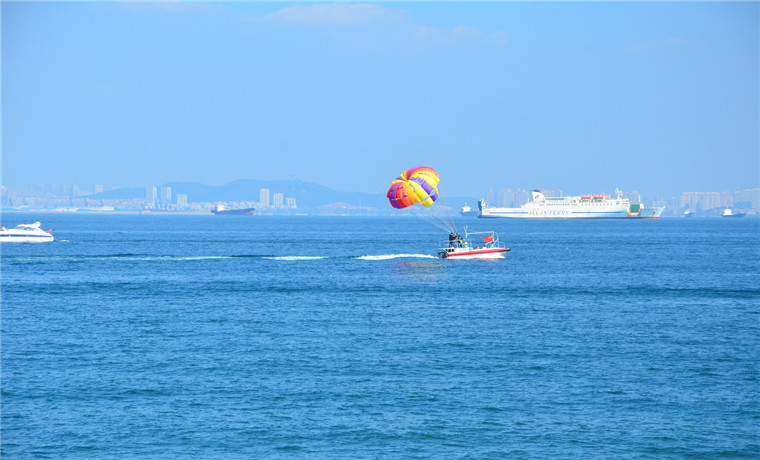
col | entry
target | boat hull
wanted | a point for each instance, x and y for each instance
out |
(20, 238)
(25, 233)
(492, 253)
(234, 212)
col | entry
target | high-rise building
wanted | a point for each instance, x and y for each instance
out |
(151, 197)
(278, 200)
(181, 201)
(726, 200)
(514, 198)
(264, 197)
(522, 196)
(8, 196)
(703, 201)
(503, 198)
(165, 197)
(711, 200)
(689, 201)
(635, 196)
(290, 203)
(747, 198)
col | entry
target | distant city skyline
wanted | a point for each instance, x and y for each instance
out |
(651, 96)
(265, 197)
(160, 198)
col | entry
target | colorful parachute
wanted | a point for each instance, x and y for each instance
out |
(416, 185)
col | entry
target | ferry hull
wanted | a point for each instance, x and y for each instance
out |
(575, 207)
(550, 214)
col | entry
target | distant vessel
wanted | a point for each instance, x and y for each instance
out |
(221, 210)
(688, 213)
(467, 211)
(26, 233)
(730, 213)
(573, 207)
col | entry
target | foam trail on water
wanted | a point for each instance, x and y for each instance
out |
(135, 258)
(296, 257)
(396, 256)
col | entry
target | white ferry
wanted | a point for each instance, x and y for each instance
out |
(573, 207)
(26, 233)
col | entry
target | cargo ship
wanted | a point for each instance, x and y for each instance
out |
(728, 212)
(221, 210)
(573, 207)
(467, 211)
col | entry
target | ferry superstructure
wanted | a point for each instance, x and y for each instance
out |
(573, 207)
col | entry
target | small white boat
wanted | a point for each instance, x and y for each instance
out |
(26, 233)
(464, 248)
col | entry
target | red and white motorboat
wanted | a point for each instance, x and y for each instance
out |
(464, 248)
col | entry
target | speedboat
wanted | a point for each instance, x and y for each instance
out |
(26, 233)
(464, 248)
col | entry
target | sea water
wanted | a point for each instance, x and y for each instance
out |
(161, 337)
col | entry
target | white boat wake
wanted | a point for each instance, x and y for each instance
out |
(396, 256)
(169, 258)
(296, 257)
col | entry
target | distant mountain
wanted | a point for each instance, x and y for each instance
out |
(307, 194)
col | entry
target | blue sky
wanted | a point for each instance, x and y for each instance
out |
(585, 97)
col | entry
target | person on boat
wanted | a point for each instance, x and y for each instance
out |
(452, 239)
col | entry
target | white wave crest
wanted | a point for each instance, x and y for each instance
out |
(396, 256)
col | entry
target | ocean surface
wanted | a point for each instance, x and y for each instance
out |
(250, 337)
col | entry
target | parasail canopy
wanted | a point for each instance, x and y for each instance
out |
(416, 185)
